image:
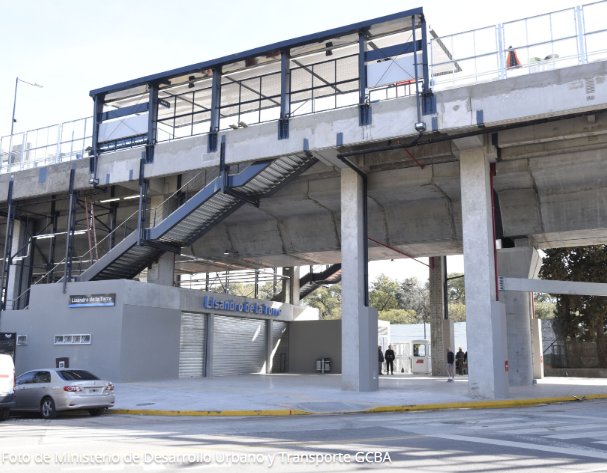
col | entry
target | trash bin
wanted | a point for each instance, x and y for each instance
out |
(323, 365)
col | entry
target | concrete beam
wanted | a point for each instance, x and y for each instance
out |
(553, 287)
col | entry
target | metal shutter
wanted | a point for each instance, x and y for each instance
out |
(239, 345)
(192, 345)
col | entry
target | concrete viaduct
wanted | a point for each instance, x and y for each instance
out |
(518, 160)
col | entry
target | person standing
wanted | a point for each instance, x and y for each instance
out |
(380, 357)
(390, 360)
(459, 361)
(450, 367)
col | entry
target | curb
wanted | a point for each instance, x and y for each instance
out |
(489, 404)
(227, 413)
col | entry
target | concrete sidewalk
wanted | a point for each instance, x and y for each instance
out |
(293, 394)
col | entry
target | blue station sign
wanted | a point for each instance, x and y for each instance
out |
(230, 305)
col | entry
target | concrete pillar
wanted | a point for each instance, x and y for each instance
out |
(537, 349)
(359, 323)
(269, 347)
(486, 324)
(441, 328)
(519, 262)
(163, 271)
(290, 286)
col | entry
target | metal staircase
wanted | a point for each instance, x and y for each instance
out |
(312, 281)
(210, 205)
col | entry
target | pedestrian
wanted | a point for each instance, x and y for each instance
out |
(459, 361)
(380, 358)
(390, 360)
(450, 368)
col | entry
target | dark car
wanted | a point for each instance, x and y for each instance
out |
(49, 391)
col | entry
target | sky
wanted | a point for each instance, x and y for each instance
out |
(73, 46)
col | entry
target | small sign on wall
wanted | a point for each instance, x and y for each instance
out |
(93, 300)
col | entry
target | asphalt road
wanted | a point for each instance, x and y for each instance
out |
(569, 437)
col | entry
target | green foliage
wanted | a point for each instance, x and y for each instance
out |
(544, 310)
(399, 316)
(457, 312)
(384, 294)
(456, 292)
(327, 300)
(582, 318)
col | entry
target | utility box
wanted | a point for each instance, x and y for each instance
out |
(323, 365)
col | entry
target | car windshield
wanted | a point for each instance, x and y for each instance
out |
(76, 375)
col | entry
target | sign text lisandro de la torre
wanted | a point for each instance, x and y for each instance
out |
(209, 302)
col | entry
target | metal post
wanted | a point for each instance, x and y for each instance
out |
(143, 191)
(580, 27)
(71, 224)
(364, 108)
(152, 123)
(215, 109)
(52, 241)
(8, 243)
(501, 51)
(94, 158)
(285, 95)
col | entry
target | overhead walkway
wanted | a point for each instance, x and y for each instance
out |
(218, 199)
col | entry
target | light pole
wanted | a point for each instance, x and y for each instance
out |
(10, 140)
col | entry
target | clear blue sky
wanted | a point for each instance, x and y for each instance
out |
(73, 46)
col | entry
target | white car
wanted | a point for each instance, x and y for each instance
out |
(52, 390)
(7, 384)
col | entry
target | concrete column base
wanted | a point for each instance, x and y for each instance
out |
(359, 370)
(521, 262)
(492, 383)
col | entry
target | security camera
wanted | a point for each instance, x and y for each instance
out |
(420, 127)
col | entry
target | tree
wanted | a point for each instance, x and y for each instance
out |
(385, 293)
(327, 300)
(456, 293)
(415, 297)
(582, 318)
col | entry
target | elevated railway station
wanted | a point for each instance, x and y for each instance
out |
(372, 141)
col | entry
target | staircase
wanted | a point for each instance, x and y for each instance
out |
(312, 281)
(196, 216)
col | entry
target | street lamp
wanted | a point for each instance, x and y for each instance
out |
(13, 120)
(17, 80)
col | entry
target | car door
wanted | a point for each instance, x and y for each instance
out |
(22, 390)
(33, 389)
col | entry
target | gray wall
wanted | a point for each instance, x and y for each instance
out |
(313, 339)
(49, 315)
(150, 343)
(135, 340)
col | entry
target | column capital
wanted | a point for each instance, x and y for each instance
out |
(475, 143)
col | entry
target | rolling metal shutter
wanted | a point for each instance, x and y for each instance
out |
(192, 345)
(239, 345)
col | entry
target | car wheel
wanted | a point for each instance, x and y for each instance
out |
(4, 413)
(97, 412)
(47, 408)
